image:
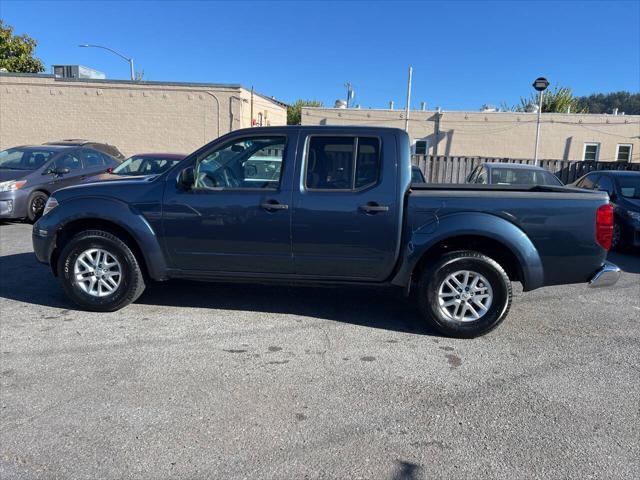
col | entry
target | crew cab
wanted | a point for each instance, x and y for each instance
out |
(324, 205)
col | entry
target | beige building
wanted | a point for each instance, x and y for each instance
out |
(500, 134)
(134, 116)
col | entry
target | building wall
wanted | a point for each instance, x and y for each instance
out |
(497, 134)
(135, 117)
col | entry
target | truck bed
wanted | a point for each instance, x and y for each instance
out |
(559, 221)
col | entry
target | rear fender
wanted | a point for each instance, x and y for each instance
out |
(485, 225)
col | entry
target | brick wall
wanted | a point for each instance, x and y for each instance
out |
(135, 117)
(497, 134)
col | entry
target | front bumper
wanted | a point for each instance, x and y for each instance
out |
(43, 243)
(13, 204)
(605, 277)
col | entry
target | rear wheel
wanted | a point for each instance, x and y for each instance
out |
(99, 272)
(35, 205)
(464, 294)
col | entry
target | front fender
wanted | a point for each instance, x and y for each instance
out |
(111, 210)
(485, 225)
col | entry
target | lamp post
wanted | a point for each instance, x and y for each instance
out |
(540, 84)
(130, 60)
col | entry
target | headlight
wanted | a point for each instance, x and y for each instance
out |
(634, 215)
(50, 205)
(12, 185)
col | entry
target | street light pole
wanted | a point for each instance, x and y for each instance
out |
(540, 84)
(130, 60)
(408, 105)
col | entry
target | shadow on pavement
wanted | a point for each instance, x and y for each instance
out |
(407, 471)
(26, 280)
(628, 262)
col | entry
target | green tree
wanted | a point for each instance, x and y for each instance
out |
(626, 102)
(17, 52)
(558, 100)
(294, 111)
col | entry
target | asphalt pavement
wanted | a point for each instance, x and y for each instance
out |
(199, 381)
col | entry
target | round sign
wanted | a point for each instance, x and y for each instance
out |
(540, 84)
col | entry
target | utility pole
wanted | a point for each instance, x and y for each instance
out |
(349, 92)
(406, 109)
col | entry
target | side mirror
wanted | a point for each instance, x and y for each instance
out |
(56, 171)
(109, 170)
(186, 178)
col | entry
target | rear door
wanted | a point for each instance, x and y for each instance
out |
(95, 162)
(345, 216)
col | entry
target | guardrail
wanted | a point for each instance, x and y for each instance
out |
(439, 169)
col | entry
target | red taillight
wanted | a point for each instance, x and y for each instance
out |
(604, 226)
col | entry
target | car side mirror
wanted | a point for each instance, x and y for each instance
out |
(57, 171)
(186, 178)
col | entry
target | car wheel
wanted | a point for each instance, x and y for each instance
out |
(464, 294)
(99, 272)
(35, 205)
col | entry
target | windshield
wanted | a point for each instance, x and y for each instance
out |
(629, 186)
(24, 158)
(145, 165)
(517, 176)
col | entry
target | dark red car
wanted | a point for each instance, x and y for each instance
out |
(141, 165)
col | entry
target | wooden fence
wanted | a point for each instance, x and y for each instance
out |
(456, 169)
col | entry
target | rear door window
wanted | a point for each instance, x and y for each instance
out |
(342, 163)
(69, 160)
(94, 159)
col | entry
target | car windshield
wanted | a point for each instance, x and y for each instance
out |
(23, 158)
(518, 176)
(629, 186)
(145, 165)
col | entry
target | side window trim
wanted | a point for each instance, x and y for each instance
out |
(305, 164)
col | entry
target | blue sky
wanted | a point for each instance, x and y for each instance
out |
(464, 54)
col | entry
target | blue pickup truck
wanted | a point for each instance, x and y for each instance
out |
(324, 205)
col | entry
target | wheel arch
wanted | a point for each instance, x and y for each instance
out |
(117, 219)
(488, 234)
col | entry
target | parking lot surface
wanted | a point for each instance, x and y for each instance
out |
(202, 380)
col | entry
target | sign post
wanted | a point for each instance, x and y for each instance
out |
(540, 84)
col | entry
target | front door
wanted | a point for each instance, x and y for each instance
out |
(346, 215)
(237, 217)
(60, 177)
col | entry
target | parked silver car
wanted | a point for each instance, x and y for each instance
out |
(29, 174)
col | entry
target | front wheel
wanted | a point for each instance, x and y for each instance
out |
(464, 294)
(99, 272)
(35, 205)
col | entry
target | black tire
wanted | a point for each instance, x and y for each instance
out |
(35, 205)
(131, 283)
(434, 276)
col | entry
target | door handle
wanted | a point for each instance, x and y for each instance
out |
(374, 208)
(274, 205)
